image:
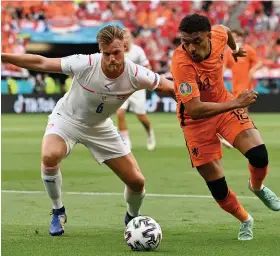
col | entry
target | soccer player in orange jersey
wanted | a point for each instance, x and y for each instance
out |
(205, 108)
(243, 68)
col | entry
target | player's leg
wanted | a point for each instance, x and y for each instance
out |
(251, 145)
(151, 140)
(214, 177)
(122, 126)
(237, 127)
(127, 169)
(205, 152)
(54, 149)
(138, 105)
(107, 146)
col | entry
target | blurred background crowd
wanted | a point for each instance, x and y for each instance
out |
(153, 23)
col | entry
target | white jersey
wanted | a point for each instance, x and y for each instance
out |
(137, 55)
(93, 97)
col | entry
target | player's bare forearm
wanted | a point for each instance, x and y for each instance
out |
(33, 62)
(199, 110)
(166, 87)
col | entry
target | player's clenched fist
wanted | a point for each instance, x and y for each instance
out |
(246, 98)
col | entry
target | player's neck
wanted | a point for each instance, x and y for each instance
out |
(114, 74)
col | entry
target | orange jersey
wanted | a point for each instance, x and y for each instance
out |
(240, 69)
(204, 79)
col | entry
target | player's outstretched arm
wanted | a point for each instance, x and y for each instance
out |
(33, 62)
(199, 110)
(166, 87)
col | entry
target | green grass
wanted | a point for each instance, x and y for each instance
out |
(191, 226)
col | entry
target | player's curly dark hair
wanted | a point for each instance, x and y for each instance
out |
(195, 23)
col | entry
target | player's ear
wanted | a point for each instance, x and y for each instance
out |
(209, 35)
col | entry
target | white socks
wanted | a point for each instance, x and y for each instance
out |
(134, 201)
(125, 137)
(53, 184)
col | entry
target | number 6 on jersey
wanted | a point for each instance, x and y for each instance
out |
(100, 108)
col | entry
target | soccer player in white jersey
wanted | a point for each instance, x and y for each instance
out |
(101, 84)
(136, 102)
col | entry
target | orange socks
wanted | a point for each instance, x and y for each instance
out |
(231, 205)
(257, 176)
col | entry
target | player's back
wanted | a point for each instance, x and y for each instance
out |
(208, 74)
(240, 69)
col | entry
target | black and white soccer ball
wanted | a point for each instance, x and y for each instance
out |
(143, 234)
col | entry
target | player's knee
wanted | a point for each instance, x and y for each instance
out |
(258, 156)
(218, 188)
(137, 183)
(51, 158)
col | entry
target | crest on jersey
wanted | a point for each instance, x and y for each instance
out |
(185, 89)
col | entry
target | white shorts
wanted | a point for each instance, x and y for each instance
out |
(103, 140)
(136, 102)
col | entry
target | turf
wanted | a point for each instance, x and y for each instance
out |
(191, 226)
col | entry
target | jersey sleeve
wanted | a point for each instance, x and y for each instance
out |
(185, 82)
(146, 79)
(74, 64)
(143, 60)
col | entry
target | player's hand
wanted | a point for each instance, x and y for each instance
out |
(246, 98)
(241, 53)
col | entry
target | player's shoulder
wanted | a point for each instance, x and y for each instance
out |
(137, 48)
(249, 48)
(219, 31)
(180, 58)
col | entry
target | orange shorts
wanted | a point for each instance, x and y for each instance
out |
(201, 137)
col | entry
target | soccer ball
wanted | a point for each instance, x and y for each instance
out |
(143, 234)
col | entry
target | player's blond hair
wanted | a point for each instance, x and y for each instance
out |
(107, 34)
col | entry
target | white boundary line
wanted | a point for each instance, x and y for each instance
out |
(117, 194)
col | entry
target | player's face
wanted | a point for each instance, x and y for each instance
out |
(237, 38)
(113, 55)
(197, 45)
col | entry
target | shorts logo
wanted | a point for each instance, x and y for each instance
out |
(195, 151)
(185, 89)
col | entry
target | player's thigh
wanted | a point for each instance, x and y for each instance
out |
(54, 149)
(202, 142)
(247, 139)
(211, 171)
(104, 142)
(233, 123)
(125, 105)
(127, 169)
(59, 139)
(138, 102)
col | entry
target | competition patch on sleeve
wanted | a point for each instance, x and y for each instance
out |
(185, 89)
